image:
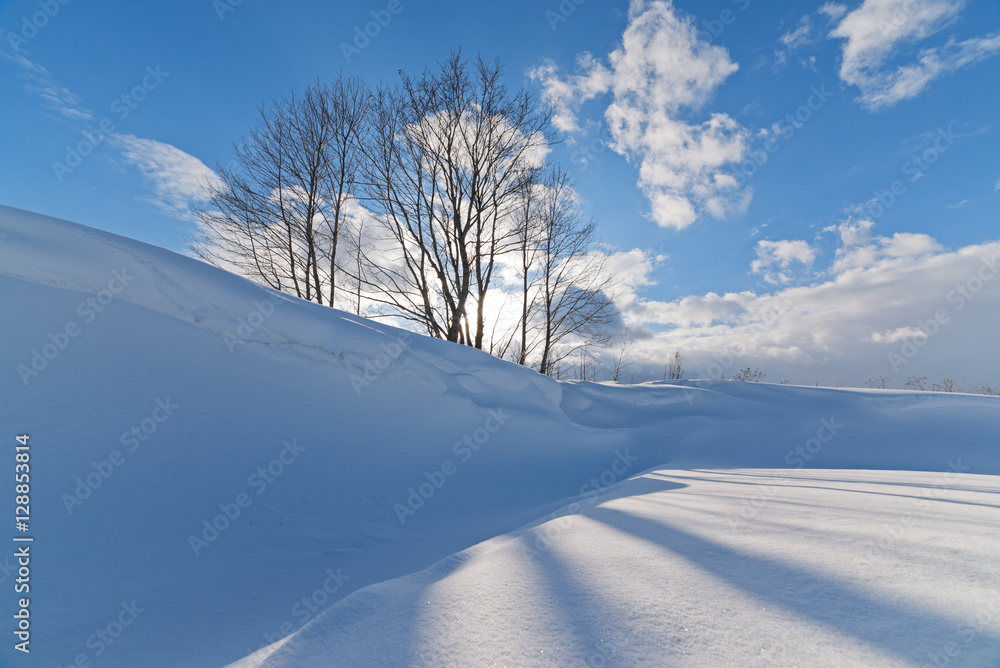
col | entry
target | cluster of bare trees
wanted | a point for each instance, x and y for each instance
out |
(278, 211)
(431, 201)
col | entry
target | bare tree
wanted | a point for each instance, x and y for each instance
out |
(618, 363)
(574, 308)
(276, 213)
(351, 260)
(519, 339)
(347, 107)
(449, 159)
(406, 201)
(587, 363)
(674, 369)
(528, 237)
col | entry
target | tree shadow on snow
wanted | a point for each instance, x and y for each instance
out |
(798, 590)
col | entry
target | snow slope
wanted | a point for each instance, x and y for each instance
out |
(163, 396)
(848, 568)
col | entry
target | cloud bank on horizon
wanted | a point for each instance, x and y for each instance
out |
(872, 313)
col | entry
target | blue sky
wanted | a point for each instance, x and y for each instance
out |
(697, 93)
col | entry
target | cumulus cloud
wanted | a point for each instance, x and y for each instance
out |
(877, 30)
(657, 78)
(900, 305)
(833, 10)
(852, 233)
(774, 258)
(630, 271)
(897, 335)
(863, 255)
(177, 178)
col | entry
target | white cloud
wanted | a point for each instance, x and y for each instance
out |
(834, 11)
(870, 316)
(897, 335)
(878, 29)
(803, 35)
(882, 250)
(630, 271)
(660, 74)
(774, 258)
(800, 36)
(852, 233)
(566, 95)
(56, 97)
(177, 178)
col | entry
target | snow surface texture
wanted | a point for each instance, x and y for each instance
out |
(664, 572)
(206, 395)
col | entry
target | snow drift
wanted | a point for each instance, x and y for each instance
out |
(222, 466)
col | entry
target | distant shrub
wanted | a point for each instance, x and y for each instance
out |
(675, 369)
(880, 383)
(920, 383)
(748, 376)
(946, 385)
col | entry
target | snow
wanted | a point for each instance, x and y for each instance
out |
(664, 571)
(716, 522)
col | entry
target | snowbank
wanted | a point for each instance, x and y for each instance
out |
(228, 462)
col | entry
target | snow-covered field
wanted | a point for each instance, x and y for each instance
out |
(848, 568)
(218, 469)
